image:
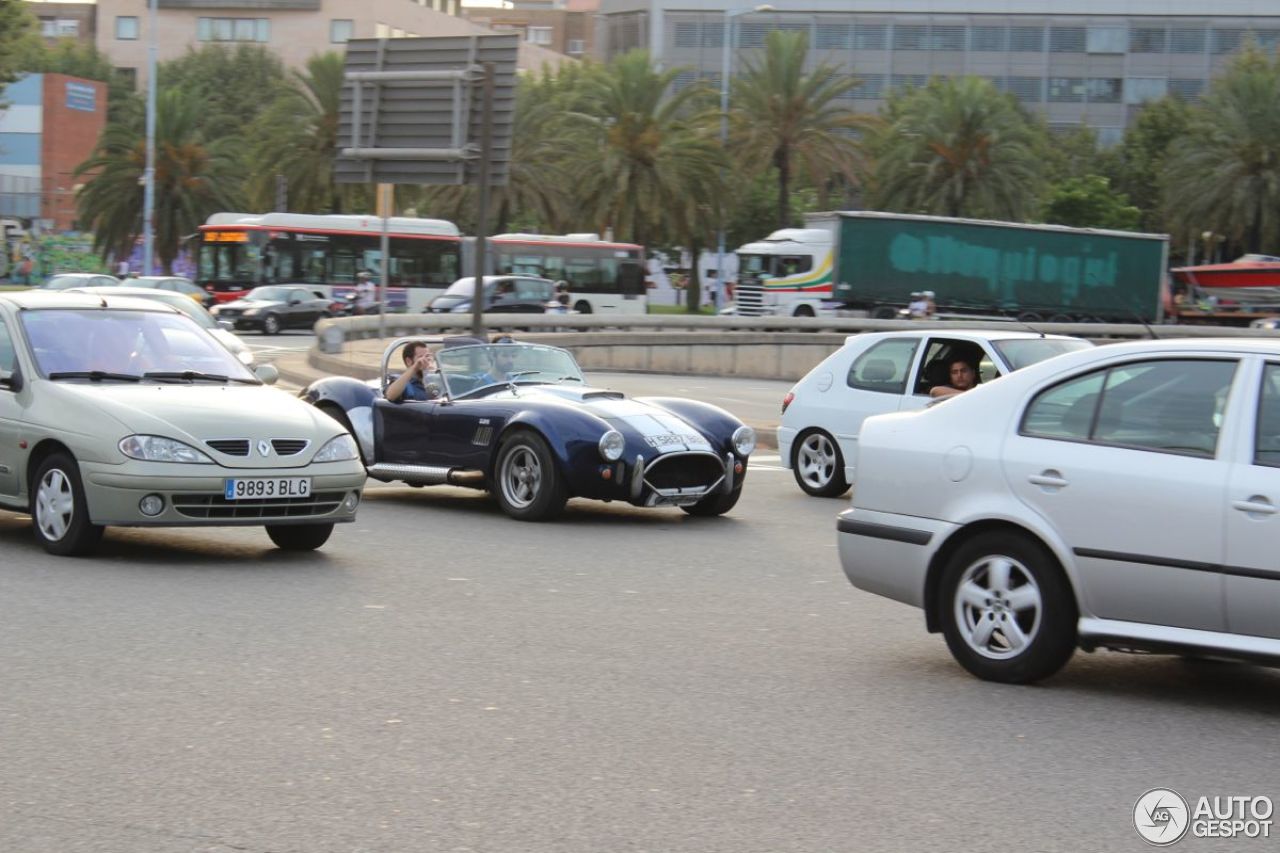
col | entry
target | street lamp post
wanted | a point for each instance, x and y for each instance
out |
(726, 41)
(149, 177)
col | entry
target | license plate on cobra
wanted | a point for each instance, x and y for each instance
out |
(248, 488)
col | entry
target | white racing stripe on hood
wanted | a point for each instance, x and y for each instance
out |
(662, 430)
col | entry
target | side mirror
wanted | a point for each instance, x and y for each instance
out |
(226, 325)
(11, 380)
(267, 373)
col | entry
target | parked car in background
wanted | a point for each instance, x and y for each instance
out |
(130, 414)
(173, 284)
(196, 312)
(64, 280)
(503, 294)
(273, 308)
(1124, 497)
(880, 372)
(520, 421)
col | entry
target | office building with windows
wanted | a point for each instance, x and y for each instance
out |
(1091, 62)
(295, 30)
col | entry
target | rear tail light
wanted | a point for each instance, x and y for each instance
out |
(786, 401)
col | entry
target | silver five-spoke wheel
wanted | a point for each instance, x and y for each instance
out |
(521, 477)
(998, 607)
(818, 465)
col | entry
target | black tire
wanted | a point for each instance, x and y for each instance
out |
(271, 325)
(583, 307)
(884, 312)
(818, 465)
(299, 537)
(804, 311)
(1061, 318)
(59, 511)
(1033, 599)
(714, 505)
(1030, 317)
(526, 482)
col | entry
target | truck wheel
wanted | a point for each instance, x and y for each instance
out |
(804, 311)
(884, 312)
(1030, 317)
(1061, 318)
(818, 465)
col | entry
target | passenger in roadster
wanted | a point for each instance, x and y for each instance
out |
(413, 385)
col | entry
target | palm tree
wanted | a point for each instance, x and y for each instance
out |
(786, 119)
(297, 137)
(192, 180)
(959, 147)
(646, 163)
(1224, 174)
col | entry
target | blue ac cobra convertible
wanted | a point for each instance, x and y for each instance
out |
(520, 421)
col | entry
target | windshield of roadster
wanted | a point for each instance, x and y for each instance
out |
(467, 369)
(127, 345)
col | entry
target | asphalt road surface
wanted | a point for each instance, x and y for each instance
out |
(441, 678)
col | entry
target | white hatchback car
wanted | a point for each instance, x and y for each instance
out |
(880, 372)
(1124, 497)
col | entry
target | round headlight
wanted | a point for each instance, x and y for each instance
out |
(744, 440)
(612, 444)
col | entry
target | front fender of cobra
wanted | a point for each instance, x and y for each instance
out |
(573, 436)
(354, 398)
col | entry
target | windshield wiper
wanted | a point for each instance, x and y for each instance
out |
(95, 375)
(574, 378)
(192, 375)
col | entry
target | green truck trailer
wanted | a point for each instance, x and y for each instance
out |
(1030, 272)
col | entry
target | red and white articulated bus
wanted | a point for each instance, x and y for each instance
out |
(239, 251)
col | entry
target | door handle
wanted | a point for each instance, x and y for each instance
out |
(1255, 505)
(1050, 478)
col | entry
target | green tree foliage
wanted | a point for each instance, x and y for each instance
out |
(959, 147)
(192, 180)
(1224, 175)
(232, 85)
(297, 136)
(790, 121)
(1090, 202)
(1141, 160)
(19, 39)
(658, 157)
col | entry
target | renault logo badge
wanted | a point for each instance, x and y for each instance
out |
(264, 448)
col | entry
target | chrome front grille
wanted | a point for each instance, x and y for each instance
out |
(216, 506)
(230, 446)
(289, 446)
(684, 472)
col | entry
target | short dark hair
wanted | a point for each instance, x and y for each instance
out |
(411, 350)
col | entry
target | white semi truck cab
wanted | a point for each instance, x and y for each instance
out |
(788, 273)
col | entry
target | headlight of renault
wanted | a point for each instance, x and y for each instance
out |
(744, 441)
(154, 448)
(340, 448)
(611, 445)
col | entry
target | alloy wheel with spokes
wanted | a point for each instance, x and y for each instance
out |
(527, 483)
(55, 505)
(1006, 608)
(818, 465)
(998, 607)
